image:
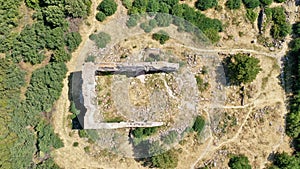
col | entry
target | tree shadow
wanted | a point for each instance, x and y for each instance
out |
(75, 95)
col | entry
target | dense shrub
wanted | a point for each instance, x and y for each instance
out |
(206, 4)
(242, 68)
(283, 160)
(132, 21)
(170, 138)
(161, 36)
(280, 28)
(165, 160)
(144, 132)
(251, 3)
(251, 15)
(78, 9)
(100, 16)
(266, 2)
(239, 162)
(233, 4)
(199, 124)
(279, 1)
(108, 7)
(101, 39)
(72, 41)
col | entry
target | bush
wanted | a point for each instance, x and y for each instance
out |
(75, 144)
(60, 55)
(170, 138)
(165, 160)
(101, 39)
(279, 1)
(283, 160)
(108, 7)
(251, 15)
(72, 40)
(266, 2)
(131, 22)
(239, 162)
(205, 4)
(233, 4)
(100, 16)
(142, 132)
(242, 68)
(163, 20)
(251, 3)
(199, 124)
(161, 36)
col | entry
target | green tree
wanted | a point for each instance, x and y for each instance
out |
(108, 7)
(251, 15)
(54, 16)
(205, 4)
(251, 3)
(165, 160)
(279, 1)
(283, 160)
(153, 6)
(78, 8)
(266, 2)
(100, 16)
(233, 4)
(199, 124)
(239, 162)
(161, 36)
(72, 40)
(242, 68)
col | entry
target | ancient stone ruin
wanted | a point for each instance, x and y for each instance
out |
(91, 70)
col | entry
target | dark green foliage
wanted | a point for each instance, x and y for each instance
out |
(101, 39)
(212, 35)
(161, 36)
(164, 8)
(153, 6)
(242, 68)
(206, 4)
(170, 138)
(171, 3)
(46, 85)
(79, 8)
(266, 2)
(9, 13)
(11, 80)
(233, 4)
(75, 144)
(280, 28)
(72, 41)
(296, 29)
(54, 16)
(165, 160)
(108, 7)
(30, 44)
(127, 4)
(251, 15)
(239, 162)
(279, 1)
(47, 139)
(251, 3)
(100, 16)
(144, 132)
(283, 160)
(199, 124)
(60, 55)
(54, 38)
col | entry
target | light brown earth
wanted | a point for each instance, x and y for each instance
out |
(260, 122)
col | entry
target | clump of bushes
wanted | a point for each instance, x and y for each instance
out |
(106, 8)
(198, 124)
(161, 36)
(205, 4)
(233, 4)
(239, 162)
(142, 132)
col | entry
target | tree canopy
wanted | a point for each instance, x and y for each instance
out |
(233, 4)
(239, 162)
(205, 4)
(242, 68)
